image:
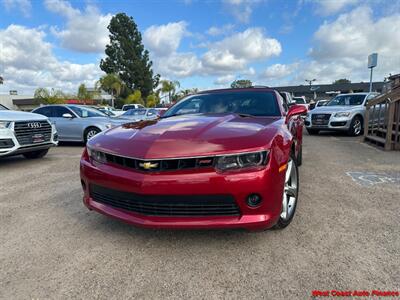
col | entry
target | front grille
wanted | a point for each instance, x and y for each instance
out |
(160, 165)
(320, 119)
(167, 205)
(26, 135)
(6, 143)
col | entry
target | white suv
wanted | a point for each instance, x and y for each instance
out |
(25, 133)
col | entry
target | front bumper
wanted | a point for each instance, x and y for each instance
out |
(265, 182)
(9, 144)
(334, 123)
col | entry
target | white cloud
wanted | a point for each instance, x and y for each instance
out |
(330, 7)
(241, 9)
(24, 6)
(342, 46)
(27, 62)
(178, 65)
(85, 31)
(225, 79)
(278, 71)
(223, 30)
(164, 39)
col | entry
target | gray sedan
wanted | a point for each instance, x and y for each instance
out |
(78, 123)
(141, 114)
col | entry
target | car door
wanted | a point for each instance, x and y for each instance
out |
(68, 128)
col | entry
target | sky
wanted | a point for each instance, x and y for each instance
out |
(202, 44)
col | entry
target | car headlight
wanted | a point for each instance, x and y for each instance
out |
(4, 124)
(239, 161)
(97, 155)
(342, 114)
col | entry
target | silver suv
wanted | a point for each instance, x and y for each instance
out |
(25, 133)
(345, 112)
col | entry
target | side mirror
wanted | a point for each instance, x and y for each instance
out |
(67, 116)
(295, 110)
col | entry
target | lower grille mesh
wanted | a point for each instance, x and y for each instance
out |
(192, 205)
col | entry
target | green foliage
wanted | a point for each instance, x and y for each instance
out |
(127, 57)
(1, 80)
(241, 83)
(45, 96)
(342, 80)
(135, 98)
(169, 87)
(83, 93)
(111, 83)
(152, 100)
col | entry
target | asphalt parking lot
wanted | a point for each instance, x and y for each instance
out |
(345, 236)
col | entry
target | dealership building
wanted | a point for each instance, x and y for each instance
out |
(327, 91)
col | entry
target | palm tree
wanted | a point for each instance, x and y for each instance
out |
(52, 96)
(169, 87)
(1, 80)
(112, 84)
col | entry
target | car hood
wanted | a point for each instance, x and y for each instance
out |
(12, 115)
(190, 135)
(334, 109)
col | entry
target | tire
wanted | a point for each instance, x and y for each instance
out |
(291, 190)
(300, 156)
(90, 132)
(356, 126)
(312, 131)
(35, 154)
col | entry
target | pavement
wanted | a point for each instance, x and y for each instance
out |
(345, 236)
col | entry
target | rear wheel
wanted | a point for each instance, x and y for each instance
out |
(312, 131)
(290, 194)
(356, 126)
(90, 132)
(35, 154)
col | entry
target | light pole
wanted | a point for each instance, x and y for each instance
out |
(372, 62)
(310, 81)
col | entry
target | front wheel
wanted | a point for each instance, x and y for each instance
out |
(290, 194)
(91, 132)
(356, 126)
(35, 154)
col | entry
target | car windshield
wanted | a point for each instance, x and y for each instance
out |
(346, 100)
(134, 112)
(299, 100)
(86, 112)
(257, 103)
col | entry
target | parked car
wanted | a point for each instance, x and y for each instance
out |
(111, 111)
(29, 134)
(131, 106)
(345, 112)
(287, 97)
(78, 123)
(141, 114)
(231, 163)
(301, 101)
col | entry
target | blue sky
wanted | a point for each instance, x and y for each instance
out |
(202, 44)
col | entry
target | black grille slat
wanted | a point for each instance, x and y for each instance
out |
(25, 134)
(320, 119)
(208, 205)
(160, 165)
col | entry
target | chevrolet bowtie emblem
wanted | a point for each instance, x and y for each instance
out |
(148, 165)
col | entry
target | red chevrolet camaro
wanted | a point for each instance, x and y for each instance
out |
(218, 159)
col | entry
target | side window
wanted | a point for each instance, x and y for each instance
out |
(59, 111)
(45, 111)
(283, 101)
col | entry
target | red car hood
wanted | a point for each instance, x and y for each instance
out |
(190, 135)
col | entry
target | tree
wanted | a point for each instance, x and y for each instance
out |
(52, 96)
(342, 80)
(127, 57)
(241, 83)
(152, 100)
(135, 98)
(83, 93)
(169, 87)
(1, 80)
(112, 84)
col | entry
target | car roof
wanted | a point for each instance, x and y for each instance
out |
(249, 89)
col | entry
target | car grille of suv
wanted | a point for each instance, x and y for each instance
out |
(166, 205)
(32, 132)
(320, 119)
(160, 165)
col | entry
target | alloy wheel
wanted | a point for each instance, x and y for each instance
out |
(289, 197)
(357, 127)
(91, 133)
